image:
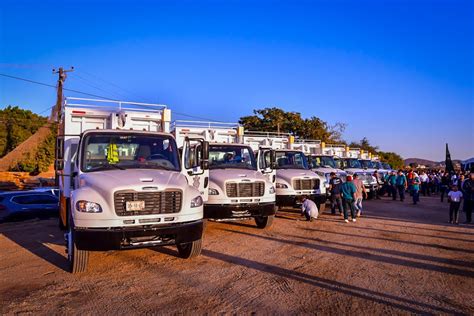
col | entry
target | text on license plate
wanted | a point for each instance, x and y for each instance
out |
(135, 206)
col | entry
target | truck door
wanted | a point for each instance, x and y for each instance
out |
(266, 163)
(195, 164)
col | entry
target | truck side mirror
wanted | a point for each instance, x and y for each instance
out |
(205, 155)
(59, 165)
(273, 163)
(205, 150)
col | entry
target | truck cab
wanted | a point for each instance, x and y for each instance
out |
(122, 182)
(353, 166)
(294, 178)
(240, 180)
(324, 165)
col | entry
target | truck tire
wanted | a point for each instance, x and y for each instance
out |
(190, 249)
(77, 258)
(264, 221)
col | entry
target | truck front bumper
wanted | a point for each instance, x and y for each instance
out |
(296, 200)
(116, 238)
(232, 211)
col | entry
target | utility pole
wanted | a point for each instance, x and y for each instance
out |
(60, 96)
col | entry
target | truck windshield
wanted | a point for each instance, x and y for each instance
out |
(352, 163)
(291, 160)
(228, 156)
(321, 161)
(339, 163)
(119, 151)
(386, 166)
(366, 164)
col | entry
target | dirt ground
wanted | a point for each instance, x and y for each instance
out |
(397, 259)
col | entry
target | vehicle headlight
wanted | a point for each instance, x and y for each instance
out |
(197, 201)
(213, 191)
(281, 186)
(272, 190)
(88, 207)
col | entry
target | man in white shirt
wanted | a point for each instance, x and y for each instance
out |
(424, 183)
(309, 209)
(454, 199)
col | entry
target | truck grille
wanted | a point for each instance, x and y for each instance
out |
(245, 189)
(306, 184)
(155, 202)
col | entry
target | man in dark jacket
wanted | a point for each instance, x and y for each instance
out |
(335, 189)
(468, 191)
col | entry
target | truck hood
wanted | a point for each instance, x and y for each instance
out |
(289, 174)
(109, 181)
(328, 170)
(220, 176)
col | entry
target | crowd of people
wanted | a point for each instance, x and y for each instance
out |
(347, 196)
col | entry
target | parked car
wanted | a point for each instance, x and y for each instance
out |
(27, 204)
(50, 190)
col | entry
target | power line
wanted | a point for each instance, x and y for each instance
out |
(97, 96)
(52, 86)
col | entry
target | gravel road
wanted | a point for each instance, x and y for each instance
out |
(397, 259)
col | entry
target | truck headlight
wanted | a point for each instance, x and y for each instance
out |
(213, 191)
(272, 190)
(88, 207)
(197, 201)
(281, 186)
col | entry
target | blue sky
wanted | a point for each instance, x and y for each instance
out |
(398, 72)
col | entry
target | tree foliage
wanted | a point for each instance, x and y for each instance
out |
(364, 144)
(42, 159)
(16, 125)
(275, 119)
(394, 159)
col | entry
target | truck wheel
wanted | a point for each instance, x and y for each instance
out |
(77, 258)
(190, 249)
(264, 221)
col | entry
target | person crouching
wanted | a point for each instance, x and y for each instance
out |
(309, 209)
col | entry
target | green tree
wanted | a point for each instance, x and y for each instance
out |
(394, 159)
(365, 144)
(42, 159)
(16, 126)
(275, 119)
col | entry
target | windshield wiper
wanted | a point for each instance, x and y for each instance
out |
(107, 166)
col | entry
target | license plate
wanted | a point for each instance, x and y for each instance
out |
(135, 206)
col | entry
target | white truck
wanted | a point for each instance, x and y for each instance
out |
(352, 165)
(122, 182)
(240, 182)
(294, 178)
(321, 159)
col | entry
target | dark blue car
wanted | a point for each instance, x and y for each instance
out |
(28, 204)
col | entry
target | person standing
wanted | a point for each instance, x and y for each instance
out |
(445, 180)
(454, 199)
(359, 195)
(425, 179)
(392, 182)
(468, 189)
(309, 209)
(415, 189)
(378, 185)
(335, 184)
(348, 191)
(402, 184)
